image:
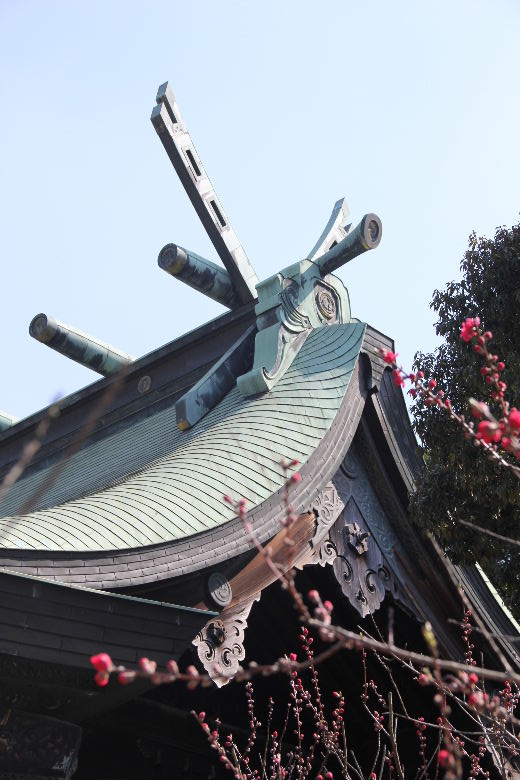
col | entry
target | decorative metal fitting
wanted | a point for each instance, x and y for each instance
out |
(216, 632)
(325, 303)
(144, 384)
(219, 589)
(356, 538)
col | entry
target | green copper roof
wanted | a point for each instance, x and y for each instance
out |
(177, 480)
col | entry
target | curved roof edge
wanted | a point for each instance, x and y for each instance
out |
(151, 564)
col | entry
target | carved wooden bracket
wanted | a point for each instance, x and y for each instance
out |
(220, 644)
(326, 508)
(358, 563)
(340, 537)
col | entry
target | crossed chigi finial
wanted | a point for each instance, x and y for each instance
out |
(301, 297)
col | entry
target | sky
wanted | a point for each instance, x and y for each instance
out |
(409, 109)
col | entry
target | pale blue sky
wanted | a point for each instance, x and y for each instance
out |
(410, 109)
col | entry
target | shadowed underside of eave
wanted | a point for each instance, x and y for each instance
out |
(236, 449)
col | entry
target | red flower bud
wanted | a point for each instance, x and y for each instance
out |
(476, 699)
(514, 419)
(296, 477)
(398, 379)
(467, 329)
(443, 757)
(489, 431)
(102, 662)
(328, 606)
(501, 366)
(101, 678)
(313, 596)
(388, 356)
(432, 383)
(147, 666)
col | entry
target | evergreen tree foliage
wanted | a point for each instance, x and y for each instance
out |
(458, 481)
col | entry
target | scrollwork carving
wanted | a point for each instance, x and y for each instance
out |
(220, 644)
(325, 553)
(326, 508)
(359, 562)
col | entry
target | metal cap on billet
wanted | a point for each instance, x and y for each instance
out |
(78, 346)
(362, 238)
(199, 273)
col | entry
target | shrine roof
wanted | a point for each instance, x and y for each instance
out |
(174, 481)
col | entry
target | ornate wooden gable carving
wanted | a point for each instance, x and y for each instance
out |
(345, 527)
(220, 644)
(358, 563)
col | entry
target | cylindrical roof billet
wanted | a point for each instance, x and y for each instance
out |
(199, 273)
(78, 346)
(364, 237)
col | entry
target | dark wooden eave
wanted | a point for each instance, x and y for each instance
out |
(66, 624)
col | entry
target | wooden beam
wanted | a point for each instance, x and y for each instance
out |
(170, 127)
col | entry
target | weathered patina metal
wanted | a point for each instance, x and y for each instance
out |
(199, 273)
(176, 491)
(77, 346)
(216, 383)
(6, 421)
(335, 230)
(174, 135)
(302, 297)
(366, 236)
